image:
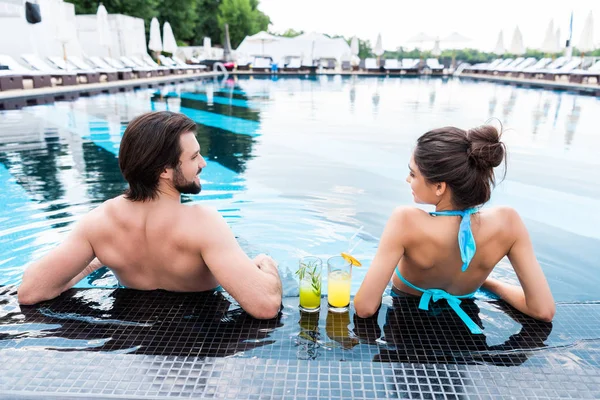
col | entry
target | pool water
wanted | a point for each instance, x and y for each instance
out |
(298, 166)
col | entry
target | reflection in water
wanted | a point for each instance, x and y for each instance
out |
(130, 321)
(309, 336)
(572, 120)
(439, 336)
(509, 105)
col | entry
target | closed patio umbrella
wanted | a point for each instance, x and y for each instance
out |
(169, 42)
(155, 43)
(103, 28)
(499, 49)
(549, 45)
(586, 43)
(227, 45)
(516, 44)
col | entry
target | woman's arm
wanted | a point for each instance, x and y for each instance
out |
(533, 297)
(389, 253)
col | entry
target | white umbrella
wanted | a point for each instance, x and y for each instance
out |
(103, 27)
(557, 42)
(456, 37)
(155, 43)
(516, 44)
(499, 49)
(354, 47)
(421, 37)
(354, 50)
(586, 43)
(436, 48)
(549, 43)
(262, 37)
(378, 50)
(169, 42)
(206, 47)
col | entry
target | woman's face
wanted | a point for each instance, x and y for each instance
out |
(422, 191)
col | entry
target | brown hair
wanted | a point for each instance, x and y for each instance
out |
(149, 145)
(464, 160)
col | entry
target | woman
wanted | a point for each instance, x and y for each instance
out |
(448, 254)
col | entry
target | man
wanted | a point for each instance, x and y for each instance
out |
(148, 238)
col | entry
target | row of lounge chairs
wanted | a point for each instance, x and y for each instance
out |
(390, 66)
(561, 68)
(33, 71)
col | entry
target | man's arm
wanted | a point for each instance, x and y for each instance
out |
(54, 273)
(254, 285)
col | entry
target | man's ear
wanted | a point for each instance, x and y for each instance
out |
(167, 173)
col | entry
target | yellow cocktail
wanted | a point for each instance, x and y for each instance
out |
(339, 280)
(309, 277)
(338, 289)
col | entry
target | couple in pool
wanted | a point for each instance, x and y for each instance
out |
(151, 241)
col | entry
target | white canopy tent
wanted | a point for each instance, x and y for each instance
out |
(312, 46)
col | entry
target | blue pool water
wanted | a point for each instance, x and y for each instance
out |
(298, 165)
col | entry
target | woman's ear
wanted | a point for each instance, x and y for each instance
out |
(440, 189)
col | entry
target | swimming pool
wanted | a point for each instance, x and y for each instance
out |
(299, 165)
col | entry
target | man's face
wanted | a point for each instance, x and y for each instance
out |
(186, 175)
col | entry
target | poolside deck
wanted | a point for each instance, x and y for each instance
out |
(15, 99)
(120, 343)
(587, 89)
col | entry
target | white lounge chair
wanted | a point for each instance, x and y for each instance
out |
(566, 69)
(371, 65)
(31, 78)
(434, 65)
(579, 75)
(106, 74)
(140, 72)
(261, 64)
(10, 81)
(410, 65)
(63, 77)
(392, 65)
(537, 71)
(122, 73)
(85, 76)
(143, 70)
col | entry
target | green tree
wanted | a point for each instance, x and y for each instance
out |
(207, 24)
(291, 33)
(243, 18)
(145, 9)
(182, 16)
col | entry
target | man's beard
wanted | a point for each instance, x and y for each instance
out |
(183, 186)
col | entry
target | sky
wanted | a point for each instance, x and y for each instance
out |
(397, 21)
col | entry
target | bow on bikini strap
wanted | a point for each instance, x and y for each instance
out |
(453, 302)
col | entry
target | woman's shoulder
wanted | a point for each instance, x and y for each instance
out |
(501, 213)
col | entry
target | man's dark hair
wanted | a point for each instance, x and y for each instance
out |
(465, 160)
(149, 145)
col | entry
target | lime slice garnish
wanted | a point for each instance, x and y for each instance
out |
(351, 260)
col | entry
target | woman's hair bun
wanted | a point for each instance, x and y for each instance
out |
(486, 151)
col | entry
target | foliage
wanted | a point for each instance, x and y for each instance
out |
(243, 18)
(191, 20)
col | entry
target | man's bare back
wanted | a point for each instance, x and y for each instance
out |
(152, 241)
(152, 245)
